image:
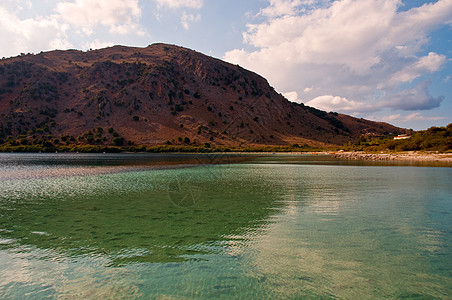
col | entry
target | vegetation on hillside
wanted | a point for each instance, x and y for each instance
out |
(433, 139)
(108, 140)
(153, 149)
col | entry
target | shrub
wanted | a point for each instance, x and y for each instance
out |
(89, 138)
(178, 107)
(118, 141)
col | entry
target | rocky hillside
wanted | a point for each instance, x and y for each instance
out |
(156, 95)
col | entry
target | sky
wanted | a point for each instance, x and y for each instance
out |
(383, 60)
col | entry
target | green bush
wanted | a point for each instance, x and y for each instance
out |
(118, 141)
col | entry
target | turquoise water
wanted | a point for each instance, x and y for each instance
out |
(216, 226)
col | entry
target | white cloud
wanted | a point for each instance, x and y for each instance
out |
(120, 16)
(419, 117)
(430, 63)
(389, 119)
(334, 103)
(176, 4)
(96, 44)
(30, 35)
(186, 19)
(279, 8)
(417, 98)
(293, 97)
(407, 118)
(18, 5)
(354, 49)
(347, 32)
(116, 14)
(66, 23)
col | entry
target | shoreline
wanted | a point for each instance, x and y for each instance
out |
(408, 156)
(404, 156)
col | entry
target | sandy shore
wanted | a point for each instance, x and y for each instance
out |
(409, 156)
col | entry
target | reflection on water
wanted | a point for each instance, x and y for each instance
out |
(127, 226)
(366, 239)
(32, 166)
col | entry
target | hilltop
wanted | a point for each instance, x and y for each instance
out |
(161, 94)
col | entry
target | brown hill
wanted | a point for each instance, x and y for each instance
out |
(155, 95)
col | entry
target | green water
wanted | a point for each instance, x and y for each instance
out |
(215, 226)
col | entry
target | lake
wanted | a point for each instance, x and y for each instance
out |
(184, 226)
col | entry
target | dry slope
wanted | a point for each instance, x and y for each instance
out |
(155, 95)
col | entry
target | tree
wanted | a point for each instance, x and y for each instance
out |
(118, 141)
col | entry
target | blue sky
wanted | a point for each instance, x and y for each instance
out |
(385, 60)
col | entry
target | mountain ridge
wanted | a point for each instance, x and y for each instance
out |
(160, 94)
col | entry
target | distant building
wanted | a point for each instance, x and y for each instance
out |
(402, 137)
